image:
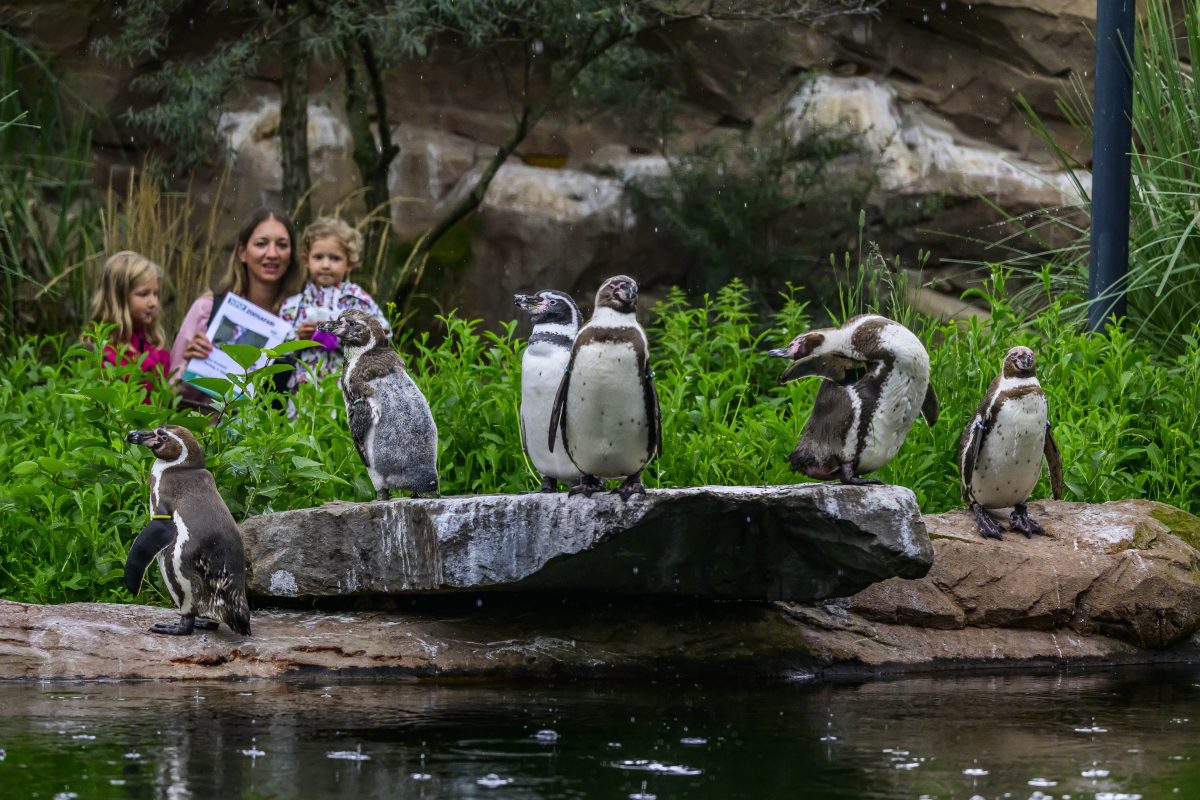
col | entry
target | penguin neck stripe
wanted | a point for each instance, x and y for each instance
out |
(562, 340)
(555, 329)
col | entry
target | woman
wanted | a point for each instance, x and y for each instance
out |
(264, 269)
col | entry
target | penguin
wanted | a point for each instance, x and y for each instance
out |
(193, 536)
(606, 407)
(390, 420)
(1001, 450)
(556, 320)
(875, 382)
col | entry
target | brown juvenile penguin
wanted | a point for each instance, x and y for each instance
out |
(390, 421)
(193, 535)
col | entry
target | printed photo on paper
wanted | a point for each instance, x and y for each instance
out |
(236, 321)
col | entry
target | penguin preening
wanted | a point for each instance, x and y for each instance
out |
(390, 421)
(193, 536)
(556, 321)
(875, 381)
(1001, 450)
(606, 407)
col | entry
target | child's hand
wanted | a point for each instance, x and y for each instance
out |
(306, 330)
(198, 347)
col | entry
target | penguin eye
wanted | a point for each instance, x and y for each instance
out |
(553, 301)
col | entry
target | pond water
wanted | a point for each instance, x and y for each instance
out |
(1119, 734)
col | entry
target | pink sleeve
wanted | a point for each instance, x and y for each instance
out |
(195, 322)
(110, 356)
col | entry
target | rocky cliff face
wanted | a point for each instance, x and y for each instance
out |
(932, 86)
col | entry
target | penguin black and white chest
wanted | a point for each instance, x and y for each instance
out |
(1001, 450)
(193, 536)
(606, 407)
(876, 382)
(556, 321)
(389, 418)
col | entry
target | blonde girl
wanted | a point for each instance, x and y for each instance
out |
(127, 298)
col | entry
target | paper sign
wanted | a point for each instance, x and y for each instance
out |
(237, 321)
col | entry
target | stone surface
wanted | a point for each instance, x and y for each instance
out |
(1124, 569)
(801, 542)
(1018, 604)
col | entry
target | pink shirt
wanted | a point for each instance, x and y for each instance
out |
(152, 359)
(196, 321)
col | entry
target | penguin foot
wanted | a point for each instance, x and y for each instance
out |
(631, 486)
(383, 494)
(1021, 521)
(184, 627)
(588, 485)
(203, 624)
(549, 485)
(989, 528)
(850, 479)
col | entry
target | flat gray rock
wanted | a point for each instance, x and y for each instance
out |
(803, 542)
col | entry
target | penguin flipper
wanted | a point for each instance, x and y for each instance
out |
(154, 538)
(929, 408)
(971, 444)
(558, 416)
(653, 415)
(360, 418)
(1054, 462)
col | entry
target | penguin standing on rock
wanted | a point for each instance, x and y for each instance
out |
(606, 407)
(1001, 450)
(875, 382)
(389, 418)
(193, 536)
(556, 320)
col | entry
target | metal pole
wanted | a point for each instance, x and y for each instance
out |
(1112, 135)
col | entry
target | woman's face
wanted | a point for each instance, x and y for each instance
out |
(267, 253)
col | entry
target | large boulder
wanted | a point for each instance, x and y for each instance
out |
(803, 542)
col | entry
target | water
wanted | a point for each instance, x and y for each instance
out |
(1096, 736)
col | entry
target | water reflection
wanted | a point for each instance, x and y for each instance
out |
(1118, 734)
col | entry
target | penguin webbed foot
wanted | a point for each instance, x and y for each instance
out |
(848, 477)
(989, 528)
(631, 486)
(588, 485)
(383, 494)
(1021, 521)
(184, 627)
(549, 485)
(205, 624)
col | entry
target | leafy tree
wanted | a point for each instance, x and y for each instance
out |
(550, 53)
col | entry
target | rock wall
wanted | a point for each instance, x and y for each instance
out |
(932, 85)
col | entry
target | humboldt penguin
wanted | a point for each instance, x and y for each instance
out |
(1001, 450)
(556, 320)
(875, 381)
(606, 408)
(390, 421)
(193, 536)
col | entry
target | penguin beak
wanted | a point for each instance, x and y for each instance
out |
(1025, 361)
(145, 438)
(626, 292)
(803, 345)
(525, 301)
(781, 352)
(330, 326)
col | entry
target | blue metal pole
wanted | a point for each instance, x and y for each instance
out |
(1111, 141)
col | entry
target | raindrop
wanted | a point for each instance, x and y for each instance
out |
(492, 780)
(349, 755)
(975, 772)
(643, 794)
(1094, 773)
(693, 740)
(421, 776)
(1042, 782)
(547, 736)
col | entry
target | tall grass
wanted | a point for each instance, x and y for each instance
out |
(49, 216)
(73, 494)
(1164, 253)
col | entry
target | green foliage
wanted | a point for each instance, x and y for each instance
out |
(73, 494)
(1164, 250)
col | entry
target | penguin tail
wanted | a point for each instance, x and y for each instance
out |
(235, 612)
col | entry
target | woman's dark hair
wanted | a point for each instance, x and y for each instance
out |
(236, 280)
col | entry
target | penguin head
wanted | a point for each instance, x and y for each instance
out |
(618, 293)
(355, 328)
(1019, 363)
(171, 443)
(549, 306)
(801, 347)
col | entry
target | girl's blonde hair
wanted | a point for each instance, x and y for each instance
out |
(123, 272)
(333, 228)
(236, 278)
